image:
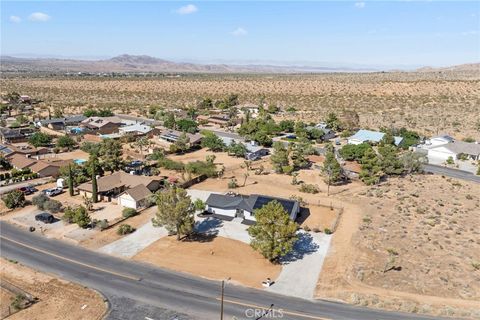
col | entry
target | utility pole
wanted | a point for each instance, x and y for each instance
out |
(224, 282)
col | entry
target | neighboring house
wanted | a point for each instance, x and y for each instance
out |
(436, 141)
(15, 135)
(102, 125)
(456, 150)
(113, 185)
(130, 120)
(370, 136)
(137, 129)
(327, 133)
(240, 206)
(135, 198)
(219, 120)
(171, 136)
(41, 167)
(61, 123)
(254, 151)
(8, 150)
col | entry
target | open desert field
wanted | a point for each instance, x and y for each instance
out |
(412, 244)
(432, 102)
(57, 299)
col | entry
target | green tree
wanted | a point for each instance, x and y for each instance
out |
(263, 138)
(279, 157)
(371, 169)
(287, 125)
(40, 139)
(298, 155)
(175, 211)
(237, 149)
(413, 162)
(70, 180)
(199, 205)
(274, 234)
(388, 139)
(187, 125)
(169, 120)
(110, 155)
(354, 151)
(182, 143)
(78, 215)
(14, 199)
(331, 169)
(333, 122)
(389, 160)
(66, 142)
(213, 142)
(93, 168)
(90, 147)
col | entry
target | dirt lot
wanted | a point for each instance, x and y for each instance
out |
(58, 299)
(426, 227)
(6, 298)
(427, 102)
(214, 258)
(221, 158)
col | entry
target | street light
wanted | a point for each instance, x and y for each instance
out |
(224, 282)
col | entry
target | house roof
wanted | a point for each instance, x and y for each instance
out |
(20, 161)
(170, 134)
(444, 137)
(11, 133)
(65, 120)
(138, 192)
(250, 203)
(459, 147)
(137, 127)
(373, 136)
(99, 122)
(117, 180)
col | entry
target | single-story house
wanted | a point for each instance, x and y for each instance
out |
(254, 151)
(15, 135)
(61, 123)
(42, 167)
(171, 136)
(370, 136)
(327, 133)
(26, 150)
(111, 186)
(241, 206)
(135, 198)
(455, 149)
(102, 125)
(136, 129)
(19, 161)
(130, 120)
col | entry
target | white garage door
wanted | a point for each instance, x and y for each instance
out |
(128, 203)
(440, 154)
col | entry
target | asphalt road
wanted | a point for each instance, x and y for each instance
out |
(140, 291)
(449, 172)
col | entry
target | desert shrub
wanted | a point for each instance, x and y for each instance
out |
(52, 206)
(201, 168)
(103, 224)
(14, 199)
(309, 188)
(199, 205)
(125, 229)
(450, 161)
(232, 184)
(129, 212)
(18, 303)
(307, 228)
(327, 231)
(39, 201)
(78, 215)
(170, 164)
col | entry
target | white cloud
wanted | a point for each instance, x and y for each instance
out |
(239, 32)
(15, 19)
(39, 17)
(360, 5)
(188, 9)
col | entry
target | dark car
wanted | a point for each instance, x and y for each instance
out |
(27, 190)
(45, 217)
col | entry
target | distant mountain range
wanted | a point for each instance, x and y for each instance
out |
(145, 64)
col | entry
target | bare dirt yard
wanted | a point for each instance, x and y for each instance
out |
(57, 299)
(425, 102)
(214, 258)
(410, 244)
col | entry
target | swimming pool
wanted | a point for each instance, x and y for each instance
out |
(79, 161)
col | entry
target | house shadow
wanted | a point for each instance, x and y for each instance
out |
(208, 227)
(305, 245)
(303, 215)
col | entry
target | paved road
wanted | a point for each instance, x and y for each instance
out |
(449, 172)
(140, 291)
(28, 183)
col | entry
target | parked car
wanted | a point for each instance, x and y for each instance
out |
(45, 217)
(52, 192)
(27, 190)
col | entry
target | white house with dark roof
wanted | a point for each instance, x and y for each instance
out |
(455, 150)
(242, 206)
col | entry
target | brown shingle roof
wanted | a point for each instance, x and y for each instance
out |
(20, 161)
(139, 192)
(117, 180)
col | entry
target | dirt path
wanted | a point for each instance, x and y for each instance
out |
(58, 299)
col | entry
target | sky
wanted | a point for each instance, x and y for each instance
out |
(347, 33)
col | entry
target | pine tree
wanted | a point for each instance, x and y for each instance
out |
(331, 169)
(389, 160)
(274, 234)
(371, 169)
(279, 157)
(175, 211)
(70, 180)
(93, 163)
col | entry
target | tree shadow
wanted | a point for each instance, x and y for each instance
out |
(208, 226)
(305, 245)
(200, 237)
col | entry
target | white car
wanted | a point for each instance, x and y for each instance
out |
(52, 192)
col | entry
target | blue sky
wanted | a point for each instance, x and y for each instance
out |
(389, 33)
